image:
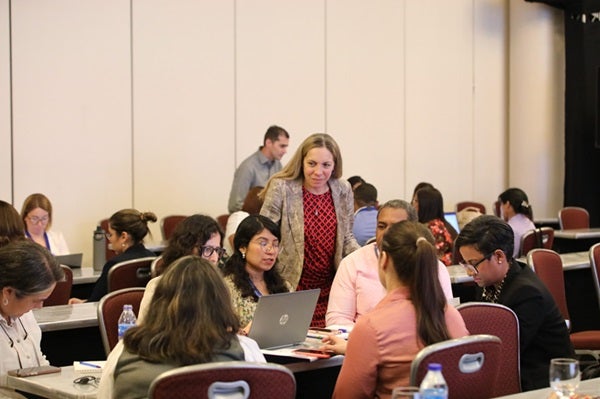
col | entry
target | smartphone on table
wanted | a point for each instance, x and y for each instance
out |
(314, 353)
(31, 371)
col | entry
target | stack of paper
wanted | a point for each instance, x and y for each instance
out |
(89, 367)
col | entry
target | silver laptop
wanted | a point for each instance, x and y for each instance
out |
(71, 260)
(282, 320)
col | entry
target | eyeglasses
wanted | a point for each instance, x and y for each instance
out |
(108, 235)
(264, 245)
(12, 343)
(473, 268)
(37, 219)
(207, 251)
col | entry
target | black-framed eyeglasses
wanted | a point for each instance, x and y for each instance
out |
(11, 342)
(207, 251)
(473, 267)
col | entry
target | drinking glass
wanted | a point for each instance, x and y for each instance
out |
(405, 393)
(564, 376)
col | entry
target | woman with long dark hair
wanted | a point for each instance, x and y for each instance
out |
(250, 271)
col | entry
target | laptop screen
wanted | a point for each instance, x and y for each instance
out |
(453, 220)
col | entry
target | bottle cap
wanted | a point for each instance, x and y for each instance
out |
(434, 367)
(131, 307)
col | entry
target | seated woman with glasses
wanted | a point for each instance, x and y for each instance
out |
(126, 231)
(37, 218)
(190, 321)
(195, 235)
(27, 277)
(250, 271)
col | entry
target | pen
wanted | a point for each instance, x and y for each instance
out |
(90, 365)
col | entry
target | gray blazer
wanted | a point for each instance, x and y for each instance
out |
(283, 204)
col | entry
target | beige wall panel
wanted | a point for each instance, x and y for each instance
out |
(71, 107)
(536, 117)
(5, 133)
(439, 95)
(183, 106)
(280, 71)
(486, 149)
(365, 90)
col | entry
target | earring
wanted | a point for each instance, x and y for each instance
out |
(243, 255)
(5, 302)
(122, 244)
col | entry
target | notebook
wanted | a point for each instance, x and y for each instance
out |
(282, 320)
(453, 220)
(71, 260)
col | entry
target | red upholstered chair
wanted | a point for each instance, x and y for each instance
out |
(573, 217)
(501, 321)
(62, 292)
(225, 380)
(168, 224)
(130, 273)
(470, 365)
(542, 237)
(497, 205)
(108, 253)
(222, 220)
(595, 265)
(109, 310)
(547, 264)
(462, 205)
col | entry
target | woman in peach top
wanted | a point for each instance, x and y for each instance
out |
(412, 315)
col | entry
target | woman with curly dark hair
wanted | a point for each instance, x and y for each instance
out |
(195, 235)
(250, 271)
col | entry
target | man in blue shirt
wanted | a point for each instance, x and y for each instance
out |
(365, 214)
(259, 167)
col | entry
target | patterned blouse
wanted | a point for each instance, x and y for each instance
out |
(320, 229)
(443, 240)
(244, 307)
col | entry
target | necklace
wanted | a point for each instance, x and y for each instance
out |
(492, 293)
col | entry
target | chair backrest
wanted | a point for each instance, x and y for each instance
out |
(130, 273)
(547, 264)
(462, 205)
(501, 321)
(470, 365)
(595, 265)
(542, 237)
(497, 205)
(62, 291)
(573, 217)
(109, 310)
(252, 203)
(168, 224)
(222, 220)
(108, 252)
(225, 380)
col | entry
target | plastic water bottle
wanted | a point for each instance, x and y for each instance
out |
(126, 320)
(434, 385)
(99, 248)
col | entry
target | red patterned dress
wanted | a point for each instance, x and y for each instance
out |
(443, 240)
(320, 229)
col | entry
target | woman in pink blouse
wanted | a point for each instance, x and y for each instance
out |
(412, 315)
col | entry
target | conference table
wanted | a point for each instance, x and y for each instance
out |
(575, 239)
(70, 333)
(587, 387)
(310, 382)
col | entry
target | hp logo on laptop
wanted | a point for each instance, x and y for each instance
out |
(283, 319)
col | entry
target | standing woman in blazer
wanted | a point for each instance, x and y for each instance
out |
(315, 209)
